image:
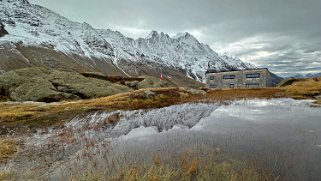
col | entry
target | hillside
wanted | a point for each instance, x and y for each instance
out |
(32, 35)
(303, 88)
(48, 85)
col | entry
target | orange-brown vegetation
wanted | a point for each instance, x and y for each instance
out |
(35, 115)
(184, 167)
(7, 148)
(234, 94)
(303, 88)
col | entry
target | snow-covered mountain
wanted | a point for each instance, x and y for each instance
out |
(31, 25)
(309, 75)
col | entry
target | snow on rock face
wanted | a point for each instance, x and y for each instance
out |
(37, 26)
(95, 41)
(229, 62)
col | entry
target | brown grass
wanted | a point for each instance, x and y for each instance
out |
(7, 148)
(37, 115)
(234, 94)
(113, 118)
(304, 88)
(40, 114)
(189, 167)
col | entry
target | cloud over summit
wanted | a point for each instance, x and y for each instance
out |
(281, 35)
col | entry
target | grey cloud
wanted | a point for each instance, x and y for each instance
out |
(285, 30)
(291, 61)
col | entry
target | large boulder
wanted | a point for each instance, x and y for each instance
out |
(40, 84)
(37, 90)
(84, 87)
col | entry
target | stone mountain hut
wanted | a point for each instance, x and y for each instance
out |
(250, 78)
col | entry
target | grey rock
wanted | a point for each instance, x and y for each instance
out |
(133, 85)
(149, 94)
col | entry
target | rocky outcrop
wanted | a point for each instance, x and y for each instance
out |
(45, 85)
(2, 30)
(95, 41)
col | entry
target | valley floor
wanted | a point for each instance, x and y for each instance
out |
(65, 134)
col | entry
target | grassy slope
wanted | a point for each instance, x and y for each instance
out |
(303, 88)
(27, 56)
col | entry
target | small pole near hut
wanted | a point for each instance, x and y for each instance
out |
(161, 75)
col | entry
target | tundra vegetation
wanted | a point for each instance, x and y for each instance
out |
(33, 115)
(7, 148)
(25, 118)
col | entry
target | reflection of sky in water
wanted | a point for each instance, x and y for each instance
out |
(273, 117)
(285, 131)
(283, 135)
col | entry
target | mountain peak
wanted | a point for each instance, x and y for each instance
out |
(152, 34)
(86, 25)
(182, 35)
(164, 35)
(187, 34)
(81, 39)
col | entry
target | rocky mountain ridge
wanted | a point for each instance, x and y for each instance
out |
(30, 25)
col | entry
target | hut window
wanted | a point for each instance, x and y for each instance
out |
(254, 75)
(252, 85)
(229, 77)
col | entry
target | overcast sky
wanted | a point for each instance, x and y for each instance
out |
(283, 35)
